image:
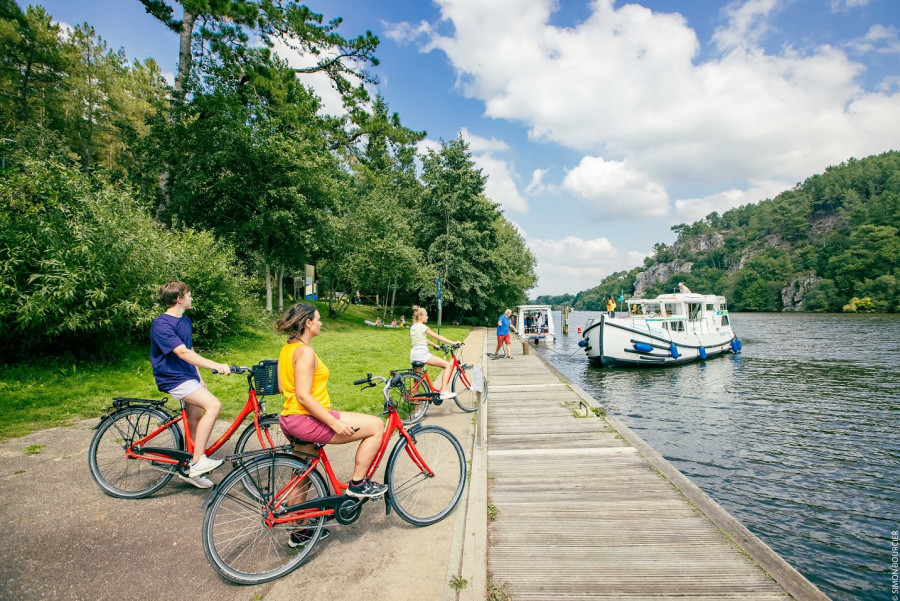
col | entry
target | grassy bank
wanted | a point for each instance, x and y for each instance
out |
(50, 392)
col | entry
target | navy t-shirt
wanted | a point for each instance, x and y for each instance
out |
(167, 333)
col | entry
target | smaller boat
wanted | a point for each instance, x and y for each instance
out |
(670, 329)
(535, 323)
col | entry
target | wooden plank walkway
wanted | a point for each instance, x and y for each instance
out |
(581, 514)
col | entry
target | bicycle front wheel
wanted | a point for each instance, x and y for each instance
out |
(271, 431)
(121, 476)
(412, 398)
(419, 498)
(238, 543)
(466, 398)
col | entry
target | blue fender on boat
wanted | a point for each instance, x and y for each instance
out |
(736, 345)
(673, 350)
(702, 353)
(582, 342)
(642, 347)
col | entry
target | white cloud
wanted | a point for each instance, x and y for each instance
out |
(501, 175)
(536, 186)
(688, 210)
(627, 83)
(616, 189)
(879, 39)
(478, 144)
(405, 33)
(845, 5)
(575, 261)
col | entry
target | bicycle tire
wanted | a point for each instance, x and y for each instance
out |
(120, 476)
(236, 540)
(466, 398)
(419, 499)
(249, 441)
(411, 406)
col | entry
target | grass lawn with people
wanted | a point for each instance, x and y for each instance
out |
(57, 391)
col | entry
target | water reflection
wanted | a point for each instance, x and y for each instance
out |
(796, 436)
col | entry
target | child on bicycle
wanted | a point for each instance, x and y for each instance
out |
(175, 368)
(307, 416)
(419, 333)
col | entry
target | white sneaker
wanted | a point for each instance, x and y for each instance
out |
(446, 394)
(199, 481)
(205, 465)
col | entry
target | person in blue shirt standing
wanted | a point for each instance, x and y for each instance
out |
(175, 367)
(503, 338)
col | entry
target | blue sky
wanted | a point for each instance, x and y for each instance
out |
(601, 124)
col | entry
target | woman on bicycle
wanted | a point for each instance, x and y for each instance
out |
(307, 416)
(419, 333)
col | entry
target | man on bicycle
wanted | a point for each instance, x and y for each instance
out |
(175, 368)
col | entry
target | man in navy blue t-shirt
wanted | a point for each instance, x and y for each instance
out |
(175, 367)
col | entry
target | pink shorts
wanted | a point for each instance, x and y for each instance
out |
(306, 428)
(505, 338)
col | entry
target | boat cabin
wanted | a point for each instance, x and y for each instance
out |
(675, 309)
(535, 322)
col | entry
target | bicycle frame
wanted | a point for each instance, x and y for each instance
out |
(280, 513)
(253, 405)
(455, 366)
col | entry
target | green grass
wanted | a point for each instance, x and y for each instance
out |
(51, 391)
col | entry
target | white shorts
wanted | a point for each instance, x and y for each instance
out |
(419, 353)
(184, 389)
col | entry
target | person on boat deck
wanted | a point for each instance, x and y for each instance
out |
(504, 324)
(611, 306)
(683, 289)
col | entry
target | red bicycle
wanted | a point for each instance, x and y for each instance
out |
(417, 391)
(138, 445)
(266, 516)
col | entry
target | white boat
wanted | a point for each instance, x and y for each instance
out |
(535, 323)
(670, 329)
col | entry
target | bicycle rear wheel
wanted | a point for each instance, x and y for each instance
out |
(418, 498)
(116, 473)
(236, 540)
(466, 398)
(411, 398)
(271, 429)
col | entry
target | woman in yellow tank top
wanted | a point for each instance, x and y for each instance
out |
(307, 416)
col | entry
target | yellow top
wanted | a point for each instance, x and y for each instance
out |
(286, 378)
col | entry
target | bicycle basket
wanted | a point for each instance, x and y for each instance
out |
(265, 377)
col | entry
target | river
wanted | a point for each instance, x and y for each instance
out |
(798, 436)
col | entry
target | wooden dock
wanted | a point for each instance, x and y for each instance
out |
(585, 510)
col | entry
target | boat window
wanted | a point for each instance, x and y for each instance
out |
(674, 309)
(636, 309)
(710, 307)
(676, 326)
(724, 320)
(652, 309)
(694, 311)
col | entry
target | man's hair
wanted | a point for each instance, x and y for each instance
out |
(171, 291)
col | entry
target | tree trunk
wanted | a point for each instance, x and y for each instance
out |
(185, 63)
(281, 289)
(268, 289)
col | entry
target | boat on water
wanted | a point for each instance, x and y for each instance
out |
(667, 330)
(535, 323)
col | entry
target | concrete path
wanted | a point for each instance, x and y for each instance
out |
(62, 538)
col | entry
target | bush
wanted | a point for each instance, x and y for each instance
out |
(81, 264)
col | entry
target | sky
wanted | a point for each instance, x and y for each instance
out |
(601, 124)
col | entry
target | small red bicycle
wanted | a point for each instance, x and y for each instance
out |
(138, 445)
(266, 516)
(417, 391)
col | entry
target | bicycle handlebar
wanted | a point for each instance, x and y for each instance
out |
(235, 369)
